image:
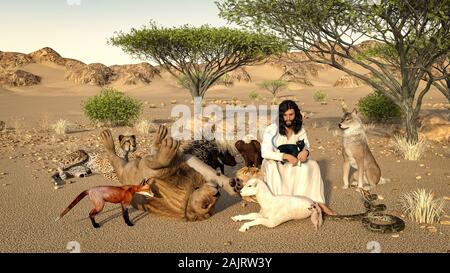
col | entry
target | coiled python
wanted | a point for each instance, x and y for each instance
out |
(373, 219)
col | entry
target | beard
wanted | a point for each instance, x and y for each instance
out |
(288, 124)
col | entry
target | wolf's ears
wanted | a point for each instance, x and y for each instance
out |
(354, 112)
(344, 107)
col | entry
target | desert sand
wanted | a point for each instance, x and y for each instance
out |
(29, 203)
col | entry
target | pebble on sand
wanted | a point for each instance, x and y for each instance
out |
(227, 243)
(395, 235)
(418, 177)
(432, 229)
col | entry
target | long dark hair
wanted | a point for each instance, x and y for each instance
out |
(298, 121)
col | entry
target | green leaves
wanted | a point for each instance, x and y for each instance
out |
(376, 107)
(112, 107)
(274, 86)
(203, 54)
(414, 35)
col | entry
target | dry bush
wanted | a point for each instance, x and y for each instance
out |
(409, 150)
(60, 127)
(421, 207)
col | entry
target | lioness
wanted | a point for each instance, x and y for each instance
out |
(180, 185)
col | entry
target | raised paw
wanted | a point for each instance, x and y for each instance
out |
(345, 187)
(244, 228)
(236, 184)
(160, 135)
(108, 141)
(168, 150)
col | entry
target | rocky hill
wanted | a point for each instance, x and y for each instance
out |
(13, 70)
(294, 66)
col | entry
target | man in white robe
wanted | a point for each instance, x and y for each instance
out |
(298, 175)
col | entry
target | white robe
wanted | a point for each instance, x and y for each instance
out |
(303, 179)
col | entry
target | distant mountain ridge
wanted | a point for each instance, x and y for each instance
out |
(295, 68)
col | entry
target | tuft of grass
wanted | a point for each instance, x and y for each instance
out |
(336, 133)
(369, 126)
(421, 207)
(409, 150)
(143, 126)
(60, 127)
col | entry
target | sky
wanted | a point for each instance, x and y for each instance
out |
(79, 29)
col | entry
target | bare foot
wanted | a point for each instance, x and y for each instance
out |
(326, 209)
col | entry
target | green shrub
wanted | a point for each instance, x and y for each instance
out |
(112, 107)
(320, 96)
(377, 107)
(253, 95)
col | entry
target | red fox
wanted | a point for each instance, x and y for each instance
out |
(111, 194)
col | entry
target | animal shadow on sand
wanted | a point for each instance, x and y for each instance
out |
(131, 211)
(323, 165)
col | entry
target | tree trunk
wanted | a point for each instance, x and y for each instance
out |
(411, 124)
(196, 93)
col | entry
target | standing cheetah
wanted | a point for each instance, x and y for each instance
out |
(81, 163)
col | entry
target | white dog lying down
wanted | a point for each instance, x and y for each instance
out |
(278, 209)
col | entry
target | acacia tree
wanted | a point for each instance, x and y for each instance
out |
(329, 31)
(274, 87)
(199, 56)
